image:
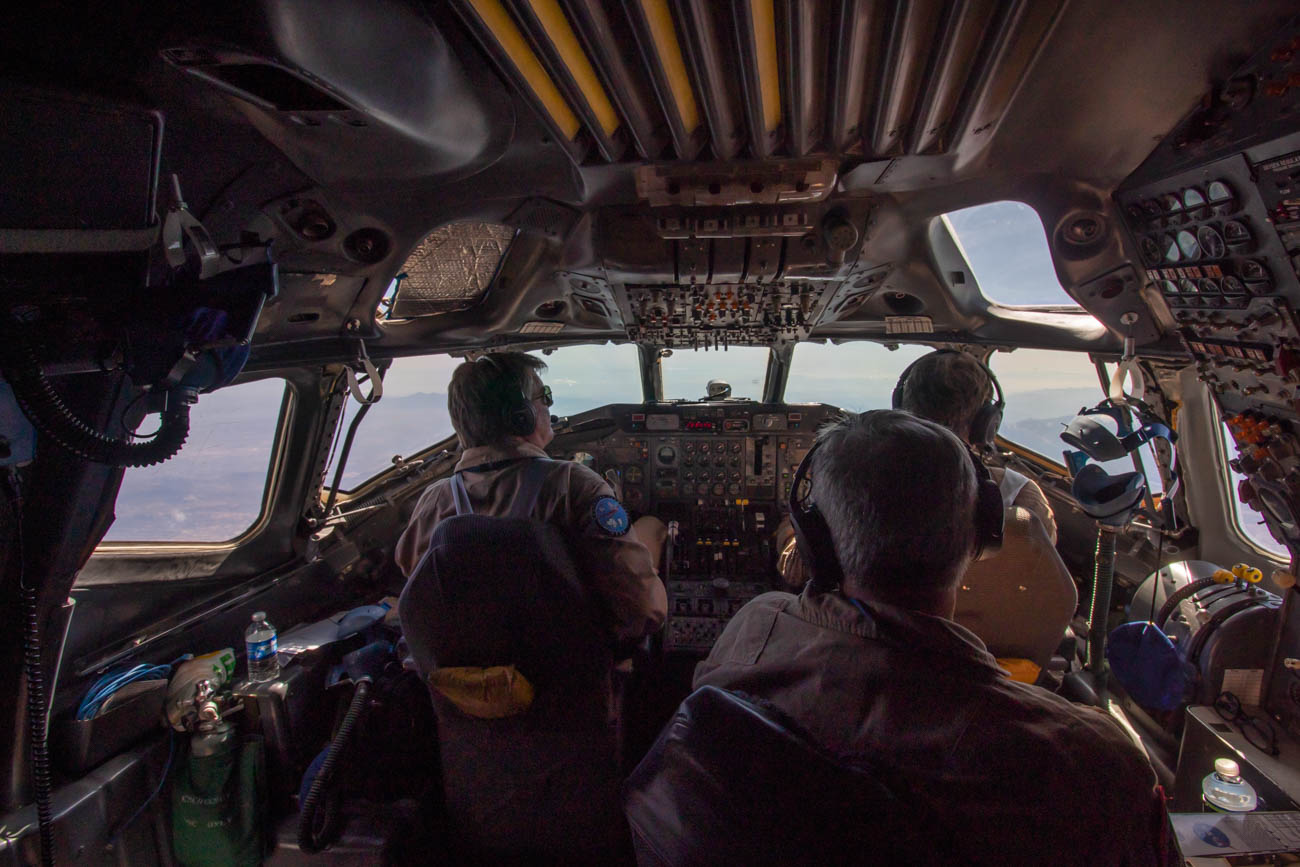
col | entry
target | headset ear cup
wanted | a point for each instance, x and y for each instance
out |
(988, 514)
(984, 427)
(522, 419)
(812, 533)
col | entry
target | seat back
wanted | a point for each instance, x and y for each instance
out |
(732, 781)
(1020, 601)
(543, 784)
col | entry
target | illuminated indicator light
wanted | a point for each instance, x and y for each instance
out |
(760, 12)
(575, 60)
(664, 36)
(494, 17)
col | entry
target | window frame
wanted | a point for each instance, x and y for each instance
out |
(270, 488)
(1231, 501)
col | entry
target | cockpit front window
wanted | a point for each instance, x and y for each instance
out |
(687, 372)
(854, 376)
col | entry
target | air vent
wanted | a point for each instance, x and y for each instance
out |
(269, 86)
(451, 268)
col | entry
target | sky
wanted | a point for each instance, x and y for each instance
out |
(193, 497)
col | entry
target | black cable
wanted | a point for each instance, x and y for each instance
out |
(1102, 580)
(343, 456)
(314, 835)
(53, 418)
(37, 733)
(1178, 596)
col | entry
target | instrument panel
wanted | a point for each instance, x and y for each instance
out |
(718, 474)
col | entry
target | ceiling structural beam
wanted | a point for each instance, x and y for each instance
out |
(711, 69)
(909, 40)
(661, 49)
(856, 26)
(804, 33)
(630, 94)
(958, 44)
(756, 37)
(1011, 42)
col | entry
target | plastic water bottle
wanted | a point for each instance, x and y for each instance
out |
(1224, 791)
(260, 642)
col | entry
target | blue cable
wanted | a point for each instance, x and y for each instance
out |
(102, 689)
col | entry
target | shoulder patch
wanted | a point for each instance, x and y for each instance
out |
(610, 516)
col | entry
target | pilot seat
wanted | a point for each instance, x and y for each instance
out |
(533, 780)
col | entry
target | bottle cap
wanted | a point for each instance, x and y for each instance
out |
(259, 616)
(1227, 768)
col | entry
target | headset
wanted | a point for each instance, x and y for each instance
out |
(984, 426)
(513, 407)
(818, 548)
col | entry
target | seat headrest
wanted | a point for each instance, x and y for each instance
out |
(700, 793)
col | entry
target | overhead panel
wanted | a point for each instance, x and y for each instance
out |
(699, 80)
(451, 268)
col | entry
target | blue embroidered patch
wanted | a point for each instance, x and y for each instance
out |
(610, 516)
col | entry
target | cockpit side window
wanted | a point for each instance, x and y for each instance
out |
(1045, 389)
(215, 489)
(1250, 523)
(1006, 247)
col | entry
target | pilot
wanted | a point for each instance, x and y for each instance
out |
(614, 557)
(876, 668)
(957, 391)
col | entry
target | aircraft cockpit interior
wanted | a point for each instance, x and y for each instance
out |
(444, 431)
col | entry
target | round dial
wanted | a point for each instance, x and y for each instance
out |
(1211, 242)
(1189, 246)
(667, 454)
(633, 475)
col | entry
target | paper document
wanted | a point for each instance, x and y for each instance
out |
(1223, 834)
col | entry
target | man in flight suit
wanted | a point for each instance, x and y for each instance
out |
(876, 669)
(613, 557)
(950, 388)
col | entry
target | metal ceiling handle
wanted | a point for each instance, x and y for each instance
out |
(180, 225)
(1127, 367)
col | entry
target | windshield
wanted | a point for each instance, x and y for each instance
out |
(853, 376)
(687, 372)
(412, 415)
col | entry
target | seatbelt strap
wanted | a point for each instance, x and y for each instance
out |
(530, 487)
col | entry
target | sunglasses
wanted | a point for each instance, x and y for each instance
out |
(1258, 731)
(545, 396)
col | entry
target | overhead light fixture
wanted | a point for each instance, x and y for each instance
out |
(528, 67)
(565, 42)
(668, 51)
(763, 33)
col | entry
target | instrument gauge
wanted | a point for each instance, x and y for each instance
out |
(633, 475)
(667, 454)
(1188, 245)
(1220, 195)
(1150, 251)
(1194, 202)
(1212, 244)
(1233, 286)
(1236, 233)
(1170, 247)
